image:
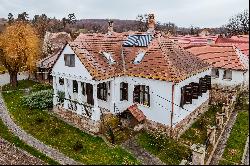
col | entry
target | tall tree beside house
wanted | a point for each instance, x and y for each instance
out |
(239, 24)
(10, 18)
(41, 23)
(142, 22)
(20, 47)
(23, 17)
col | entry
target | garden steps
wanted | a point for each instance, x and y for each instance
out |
(145, 157)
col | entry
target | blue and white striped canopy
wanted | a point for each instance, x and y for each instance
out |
(138, 40)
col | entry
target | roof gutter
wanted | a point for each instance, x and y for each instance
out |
(172, 111)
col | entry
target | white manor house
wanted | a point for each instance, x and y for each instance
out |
(146, 74)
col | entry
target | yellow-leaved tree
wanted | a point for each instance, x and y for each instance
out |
(19, 47)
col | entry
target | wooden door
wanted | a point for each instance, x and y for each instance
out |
(89, 93)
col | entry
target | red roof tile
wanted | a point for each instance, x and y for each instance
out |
(220, 56)
(163, 59)
(137, 113)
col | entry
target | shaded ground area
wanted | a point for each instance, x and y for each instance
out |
(145, 157)
(10, 155)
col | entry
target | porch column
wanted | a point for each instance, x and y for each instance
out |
(66, 93)
(55, 91)
(112, 96)
(96, 110)
(79, 98)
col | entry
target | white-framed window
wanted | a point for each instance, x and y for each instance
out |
(141, 95)
(227, 74)
(69, 60)
(215, 73)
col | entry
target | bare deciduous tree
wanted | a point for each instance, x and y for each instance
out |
(239, 24)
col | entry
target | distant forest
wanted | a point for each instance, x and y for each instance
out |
(74, 26)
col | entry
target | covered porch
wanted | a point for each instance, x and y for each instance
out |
(87, 98)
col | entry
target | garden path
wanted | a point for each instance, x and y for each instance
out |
(49, 151)
(140, 153)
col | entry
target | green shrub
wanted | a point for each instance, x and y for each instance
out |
(39, 100)
(61, 96)
(77, 146)
(39, 87)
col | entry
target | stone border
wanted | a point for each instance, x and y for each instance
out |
(181, 127)
(245, 151)
(72, 123)
(220, 136)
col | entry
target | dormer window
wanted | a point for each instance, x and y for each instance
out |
(109, 57)
(69, 60)
(139, 57)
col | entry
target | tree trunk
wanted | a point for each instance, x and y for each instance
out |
(13, 79)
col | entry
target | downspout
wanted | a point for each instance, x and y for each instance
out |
(172, 111)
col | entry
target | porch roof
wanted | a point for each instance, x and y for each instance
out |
(137, 113)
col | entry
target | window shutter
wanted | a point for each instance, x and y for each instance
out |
(195, 90)
(83, 88)
(203, 85)
(188, 94)
(125, 87)
(182, 102)
(72, 60)
(66, 60)
(136, 94)
(208, 82)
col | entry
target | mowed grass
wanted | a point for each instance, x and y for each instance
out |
(10, 137)
(197, 133)
(67, 139)
(237, 139)
(166, 149)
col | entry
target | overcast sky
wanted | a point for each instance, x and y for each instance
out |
(184, 13)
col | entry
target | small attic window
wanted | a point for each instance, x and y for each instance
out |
(139, 57)
(109, 57)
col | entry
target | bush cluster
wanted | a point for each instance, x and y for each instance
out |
(39, 100)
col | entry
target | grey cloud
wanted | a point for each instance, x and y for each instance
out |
(203, 13)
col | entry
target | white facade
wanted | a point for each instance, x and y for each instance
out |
(181, 113)
(244, 59)
(238, 78)
(161, 93)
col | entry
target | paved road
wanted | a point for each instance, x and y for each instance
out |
(51, 152)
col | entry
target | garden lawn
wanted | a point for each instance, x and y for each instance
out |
(237, 139)
(2, 69)
(167, 150)
(7, 135)
(67, 139)
(197, 133)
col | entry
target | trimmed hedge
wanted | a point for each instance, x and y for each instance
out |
(39, 100)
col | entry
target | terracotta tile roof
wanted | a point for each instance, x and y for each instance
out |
(232, 40)
(220, 56)
(48, 62)
(243, 47)
(163, 59)
(137, 113)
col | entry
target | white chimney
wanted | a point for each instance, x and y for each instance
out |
(151, 23)
(110, 27)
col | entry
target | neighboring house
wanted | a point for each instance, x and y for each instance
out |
(52, 46)
(144, 73)
(188, 40)
(205, 32)
(230, 65)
